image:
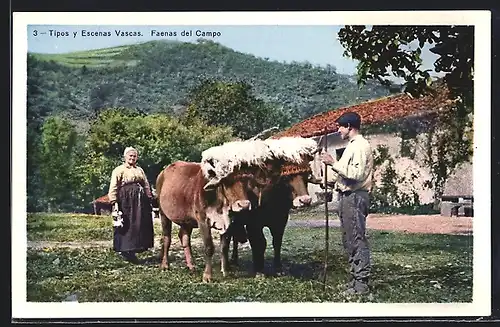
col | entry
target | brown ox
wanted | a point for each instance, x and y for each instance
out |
(189, 199)
(287, 192)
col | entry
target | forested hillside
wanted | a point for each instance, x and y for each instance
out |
(156, 77)
(170, 99)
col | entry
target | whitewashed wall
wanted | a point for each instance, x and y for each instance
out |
(404, 167)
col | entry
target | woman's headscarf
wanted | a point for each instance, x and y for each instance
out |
(128, 149)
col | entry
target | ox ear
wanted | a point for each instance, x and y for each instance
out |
(210, 185)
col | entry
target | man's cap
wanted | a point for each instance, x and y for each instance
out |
(349, 119)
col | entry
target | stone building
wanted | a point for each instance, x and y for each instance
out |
(398, 125)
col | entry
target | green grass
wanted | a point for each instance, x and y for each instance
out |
(90, 58)
(67, 228)
(406, 268)
(70, 227)
(316, 212)
(103, 57)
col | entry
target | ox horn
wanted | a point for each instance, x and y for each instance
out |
(211, 183)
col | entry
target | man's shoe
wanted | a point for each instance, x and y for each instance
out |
(349, 285)
(357, 288)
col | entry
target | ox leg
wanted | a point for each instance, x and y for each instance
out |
(239, 235)
(166, 225)
(185, 239)
(234, 254)
(209, 249)
(277, 234)
(258, 245)
(224, 248)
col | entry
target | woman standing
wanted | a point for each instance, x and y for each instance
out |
(130, 193)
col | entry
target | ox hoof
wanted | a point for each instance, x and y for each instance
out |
(280, 273)
(207, 278)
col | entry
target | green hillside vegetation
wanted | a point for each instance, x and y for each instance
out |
(84, 102)
(156, 77)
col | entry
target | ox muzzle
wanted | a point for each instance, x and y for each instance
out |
(302, 201)
(241, 205)
(222, 221)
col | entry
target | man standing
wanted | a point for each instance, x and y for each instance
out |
(354, 183)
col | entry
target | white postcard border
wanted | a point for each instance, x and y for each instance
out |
(480, 306)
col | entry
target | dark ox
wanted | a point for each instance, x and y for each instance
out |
(288, 191)
(187, 198)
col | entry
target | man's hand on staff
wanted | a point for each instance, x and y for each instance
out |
(326, 158)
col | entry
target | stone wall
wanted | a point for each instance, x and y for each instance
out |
(413, 170)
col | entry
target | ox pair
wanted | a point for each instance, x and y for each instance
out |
(291, 172)
(240, 181)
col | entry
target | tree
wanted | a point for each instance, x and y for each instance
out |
(383, 51)
(37, 109)
(92, 174)
(57, 160)
(163, 139)
(231, 104)
(159, 138)
(110, 132)
(104, 95)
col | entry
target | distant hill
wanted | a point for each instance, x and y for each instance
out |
(105, 57)
(156, 76)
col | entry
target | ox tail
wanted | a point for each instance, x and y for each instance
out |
(159, 182)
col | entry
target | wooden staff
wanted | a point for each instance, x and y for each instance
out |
(326, 212)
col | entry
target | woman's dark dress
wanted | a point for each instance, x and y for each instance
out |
(136, 234)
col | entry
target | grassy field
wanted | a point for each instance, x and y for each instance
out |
(104, 57)
(89, 58)
(406, 268)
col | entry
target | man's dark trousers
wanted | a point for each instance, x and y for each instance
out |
(353, 209)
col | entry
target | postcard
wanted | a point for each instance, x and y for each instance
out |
(342, 153)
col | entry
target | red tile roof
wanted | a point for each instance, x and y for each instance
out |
(372, 112)
(102, 199)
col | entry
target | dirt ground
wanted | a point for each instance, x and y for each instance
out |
(428, 224)
(431, 224)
